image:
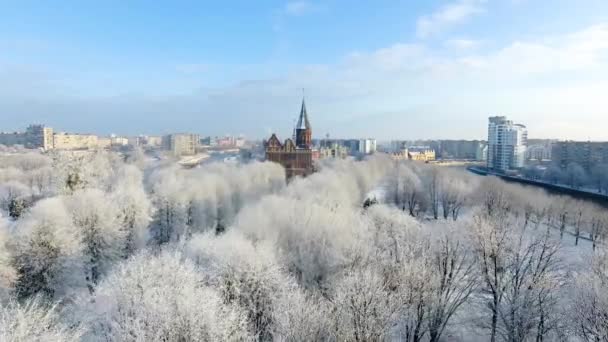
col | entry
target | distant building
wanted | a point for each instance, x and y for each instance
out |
(421, 153)
(295, 155)
(68, 141)
(482, 152)
(367, 146)
(12, 138)
(506, 144)
(35, 136)
(104, 143)
(119, 141)
(39, 136)
(152, 141)
(539, 152)
(181, 144)
(333, 151)
(401, 155)
(585, 153)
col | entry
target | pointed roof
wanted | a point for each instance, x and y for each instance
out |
(303, 120)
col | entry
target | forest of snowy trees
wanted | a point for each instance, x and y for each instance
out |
(111, 247)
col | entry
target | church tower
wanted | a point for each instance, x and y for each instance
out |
(303, 129)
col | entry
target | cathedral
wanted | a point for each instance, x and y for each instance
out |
(295, 154)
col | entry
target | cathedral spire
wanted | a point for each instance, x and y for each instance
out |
(303, 122)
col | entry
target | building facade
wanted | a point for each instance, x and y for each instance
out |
(421, 153)
(506, 144)
(67, 141)
(295, 155)
(333, 151)
(367, 146)
(35, 136)
(584, 153)
(181, 144)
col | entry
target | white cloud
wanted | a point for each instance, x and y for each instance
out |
(403, 90)
(462, 44)
(583, 50)
(447, 16)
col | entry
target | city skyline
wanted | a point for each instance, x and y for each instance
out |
(434, 70)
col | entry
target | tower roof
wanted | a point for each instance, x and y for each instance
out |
(303, 122)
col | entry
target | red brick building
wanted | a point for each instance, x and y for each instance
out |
(295, 156)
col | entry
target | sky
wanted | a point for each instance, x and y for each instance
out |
(387, 69)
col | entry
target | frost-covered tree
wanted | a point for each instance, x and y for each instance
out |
(45, 251)
(159, 298)
(315, 240)
(97, 219)
(14, 198)
(490, 240)
(306, 317)
(8, 274)
(406, 190)
(247, 276)
(453, 194)
(589, 306)
(453, 284)
(365, 310)
(33, 321)
(598, 227)
(134, 208)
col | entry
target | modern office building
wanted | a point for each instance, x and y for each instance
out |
(506, 144)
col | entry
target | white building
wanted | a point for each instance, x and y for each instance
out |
(367, 146)
(506, 144)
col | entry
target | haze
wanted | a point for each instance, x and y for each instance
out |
(388, 69)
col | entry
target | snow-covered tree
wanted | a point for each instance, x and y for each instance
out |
(33, 321)
(97, 219)
(134, 206)
(159, 298)
(315, 240)
(46, 251)
(365, 310)
(589, 307)
(8, 274)
(247, 276)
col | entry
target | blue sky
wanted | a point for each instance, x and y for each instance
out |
(387, 69)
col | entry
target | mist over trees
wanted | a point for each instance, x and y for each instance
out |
(107, 247)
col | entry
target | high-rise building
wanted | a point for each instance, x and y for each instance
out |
(295, 155)
(40, 136)
(35, 136)
(506, 144)
(367, 146)
(181, 144)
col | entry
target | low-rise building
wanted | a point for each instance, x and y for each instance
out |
(104, 143)
(68, 141)
(421, 153)
(333, 151)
